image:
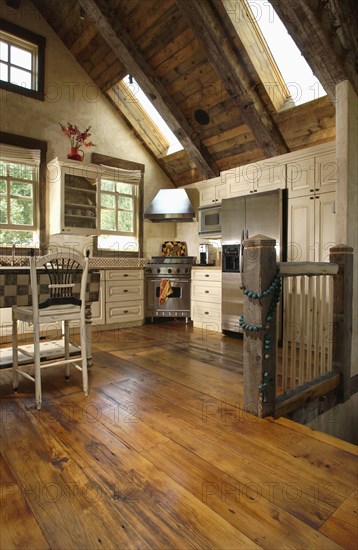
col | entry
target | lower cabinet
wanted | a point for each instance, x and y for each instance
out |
(206, 299)
(124, 296)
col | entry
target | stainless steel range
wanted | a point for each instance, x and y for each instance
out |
(168, 286)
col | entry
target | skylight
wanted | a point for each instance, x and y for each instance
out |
(301, 82)
(174, 144)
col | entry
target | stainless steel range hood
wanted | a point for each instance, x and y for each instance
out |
(172, 205)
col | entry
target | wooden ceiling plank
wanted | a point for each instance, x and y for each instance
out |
(83, 40)
(128, 53)
(210, 32)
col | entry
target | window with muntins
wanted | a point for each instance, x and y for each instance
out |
(21, 60)
(118, 213)
(19, 180)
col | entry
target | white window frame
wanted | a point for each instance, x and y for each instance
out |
(118, 175)
(31, 158)
(13, 35)
(14, 41)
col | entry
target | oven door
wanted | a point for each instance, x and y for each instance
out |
(177, 304)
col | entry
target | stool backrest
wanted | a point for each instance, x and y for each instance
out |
(64, 271)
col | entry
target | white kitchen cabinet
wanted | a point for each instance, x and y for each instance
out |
(326, 173)
(311, 227)
(124, 296)
(73, 195)
(212, 192)
(257, 177)
(316, 173)
(206, 299)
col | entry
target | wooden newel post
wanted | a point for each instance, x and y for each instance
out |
(342, 315)
(261, 291)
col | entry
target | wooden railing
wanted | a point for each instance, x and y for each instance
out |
(307, 324)
(316, 328)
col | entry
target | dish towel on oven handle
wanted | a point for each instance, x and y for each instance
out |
(165, 290)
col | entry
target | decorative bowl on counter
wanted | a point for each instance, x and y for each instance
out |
(174, 248)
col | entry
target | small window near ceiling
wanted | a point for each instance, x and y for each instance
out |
(21, 60)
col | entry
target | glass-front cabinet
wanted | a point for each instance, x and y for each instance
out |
(74, 193)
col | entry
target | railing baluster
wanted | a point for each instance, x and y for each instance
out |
(284, 368)
(301, 361)
(308, 374)
(322, 313)
(329, 325)
(293, 340)
(317, 297)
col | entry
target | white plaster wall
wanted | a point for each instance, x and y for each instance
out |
(72, 96)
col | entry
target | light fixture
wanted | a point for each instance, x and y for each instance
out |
(130, 78)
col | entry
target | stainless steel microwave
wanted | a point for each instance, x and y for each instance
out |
(209, 220)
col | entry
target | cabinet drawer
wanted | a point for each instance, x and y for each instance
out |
(120, 312)
(206, 313)
(206, 291)
(124, 290)
(123, 275)
(201, 274)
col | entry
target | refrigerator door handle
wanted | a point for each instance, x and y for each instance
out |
(242, 257)
(247, 233)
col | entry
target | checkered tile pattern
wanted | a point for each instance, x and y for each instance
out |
(15, 287)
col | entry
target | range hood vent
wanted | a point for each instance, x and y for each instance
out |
(172, 205)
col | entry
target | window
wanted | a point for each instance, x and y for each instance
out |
(139, 110)
(152, 113)
(21, 60)
(19, 178)
(302, 84)
(118, 212)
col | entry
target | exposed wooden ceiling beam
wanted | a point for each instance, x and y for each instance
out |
(117, 37)
(326, 33)
(209, 30)
(13, 4)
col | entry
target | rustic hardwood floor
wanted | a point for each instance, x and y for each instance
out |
(161, 456)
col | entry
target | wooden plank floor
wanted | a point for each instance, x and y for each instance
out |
(161, 455)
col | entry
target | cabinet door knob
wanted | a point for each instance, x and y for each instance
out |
(207, 275)
(125, 274)
(125, 311)
(206, 292)
(206, 312)
(125, 290)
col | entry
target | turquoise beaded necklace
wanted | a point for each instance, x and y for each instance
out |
(273, 289)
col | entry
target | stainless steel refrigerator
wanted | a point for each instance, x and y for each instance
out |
(243, 217)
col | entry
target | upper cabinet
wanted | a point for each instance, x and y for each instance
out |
(212, 192)
(313, 173)
(255, 178)
(309, 171)
(73, 194)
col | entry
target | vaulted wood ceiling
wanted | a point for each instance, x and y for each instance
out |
(189, 55)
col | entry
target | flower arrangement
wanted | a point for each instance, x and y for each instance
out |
(76, 137)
